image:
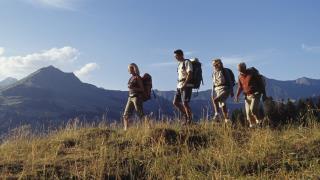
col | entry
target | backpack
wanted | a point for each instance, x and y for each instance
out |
(261, 81)
(147, 85)
(197, 78)
(228, 72)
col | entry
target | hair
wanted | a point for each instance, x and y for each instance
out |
(217, 61)
(135, 68)
(243, 65)
(178, 52)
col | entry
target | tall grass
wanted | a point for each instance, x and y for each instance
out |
(164, 151)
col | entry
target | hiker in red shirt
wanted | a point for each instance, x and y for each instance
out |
(252, 84)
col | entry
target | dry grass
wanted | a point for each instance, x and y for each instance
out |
(165, 151)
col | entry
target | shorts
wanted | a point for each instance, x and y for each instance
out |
(252, 106)
(183, 95)
(221, 95)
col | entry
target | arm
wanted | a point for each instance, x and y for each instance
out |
(189, 70)
(231, 90)
(239, 90)
(189, 76)
(140, 83)
(264, 94)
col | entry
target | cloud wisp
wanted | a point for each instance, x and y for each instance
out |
(64, 58)
(19, 66)
(70, 5)
(308, 48)
(86, 69)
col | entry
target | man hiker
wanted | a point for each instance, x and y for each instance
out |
(253, 87)
(223, 82)
(184, 88)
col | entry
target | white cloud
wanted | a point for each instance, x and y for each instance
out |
(233, 60)
(1, 51)
(20, 66)
(308, 48)
(86, 69)
(60, 4)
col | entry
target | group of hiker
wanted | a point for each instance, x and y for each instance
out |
(250, 82)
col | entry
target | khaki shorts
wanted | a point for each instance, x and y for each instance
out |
(222, 96)
(183, 95)
(134, 103)
(252, 106)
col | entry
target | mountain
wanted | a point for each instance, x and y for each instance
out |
(294, 89)
(50, 97)
(7, 82)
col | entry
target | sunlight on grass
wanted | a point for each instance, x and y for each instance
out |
(164, 151)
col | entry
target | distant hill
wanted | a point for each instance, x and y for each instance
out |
(50, 97)
(7, 82)
(294, 89)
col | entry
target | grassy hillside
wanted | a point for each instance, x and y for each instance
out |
(165, 151)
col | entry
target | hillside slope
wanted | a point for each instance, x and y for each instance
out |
(166, 151)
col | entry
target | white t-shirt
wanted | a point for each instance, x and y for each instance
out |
(183, 72)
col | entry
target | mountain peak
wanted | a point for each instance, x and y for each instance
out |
(7, 82)
(304, 81)
(50, 78)
(9, 79)
(50, 69)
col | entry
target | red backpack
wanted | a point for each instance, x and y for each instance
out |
(147, 85)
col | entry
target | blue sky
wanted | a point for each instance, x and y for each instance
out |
(97, 39)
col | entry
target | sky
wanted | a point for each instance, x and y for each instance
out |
(97, 39)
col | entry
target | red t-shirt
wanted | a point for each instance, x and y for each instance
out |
(247, 83)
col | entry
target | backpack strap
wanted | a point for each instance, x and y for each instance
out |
(227, 77)
(184, 64)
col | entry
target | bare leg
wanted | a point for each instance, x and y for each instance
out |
(255, 109)
(225, 112)
(125, 123)
(215, 105)
(180, 107)
(188, 111)
(248, 112)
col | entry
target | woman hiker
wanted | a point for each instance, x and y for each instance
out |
(135, 99)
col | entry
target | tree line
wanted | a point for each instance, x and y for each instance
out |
(284, 112)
